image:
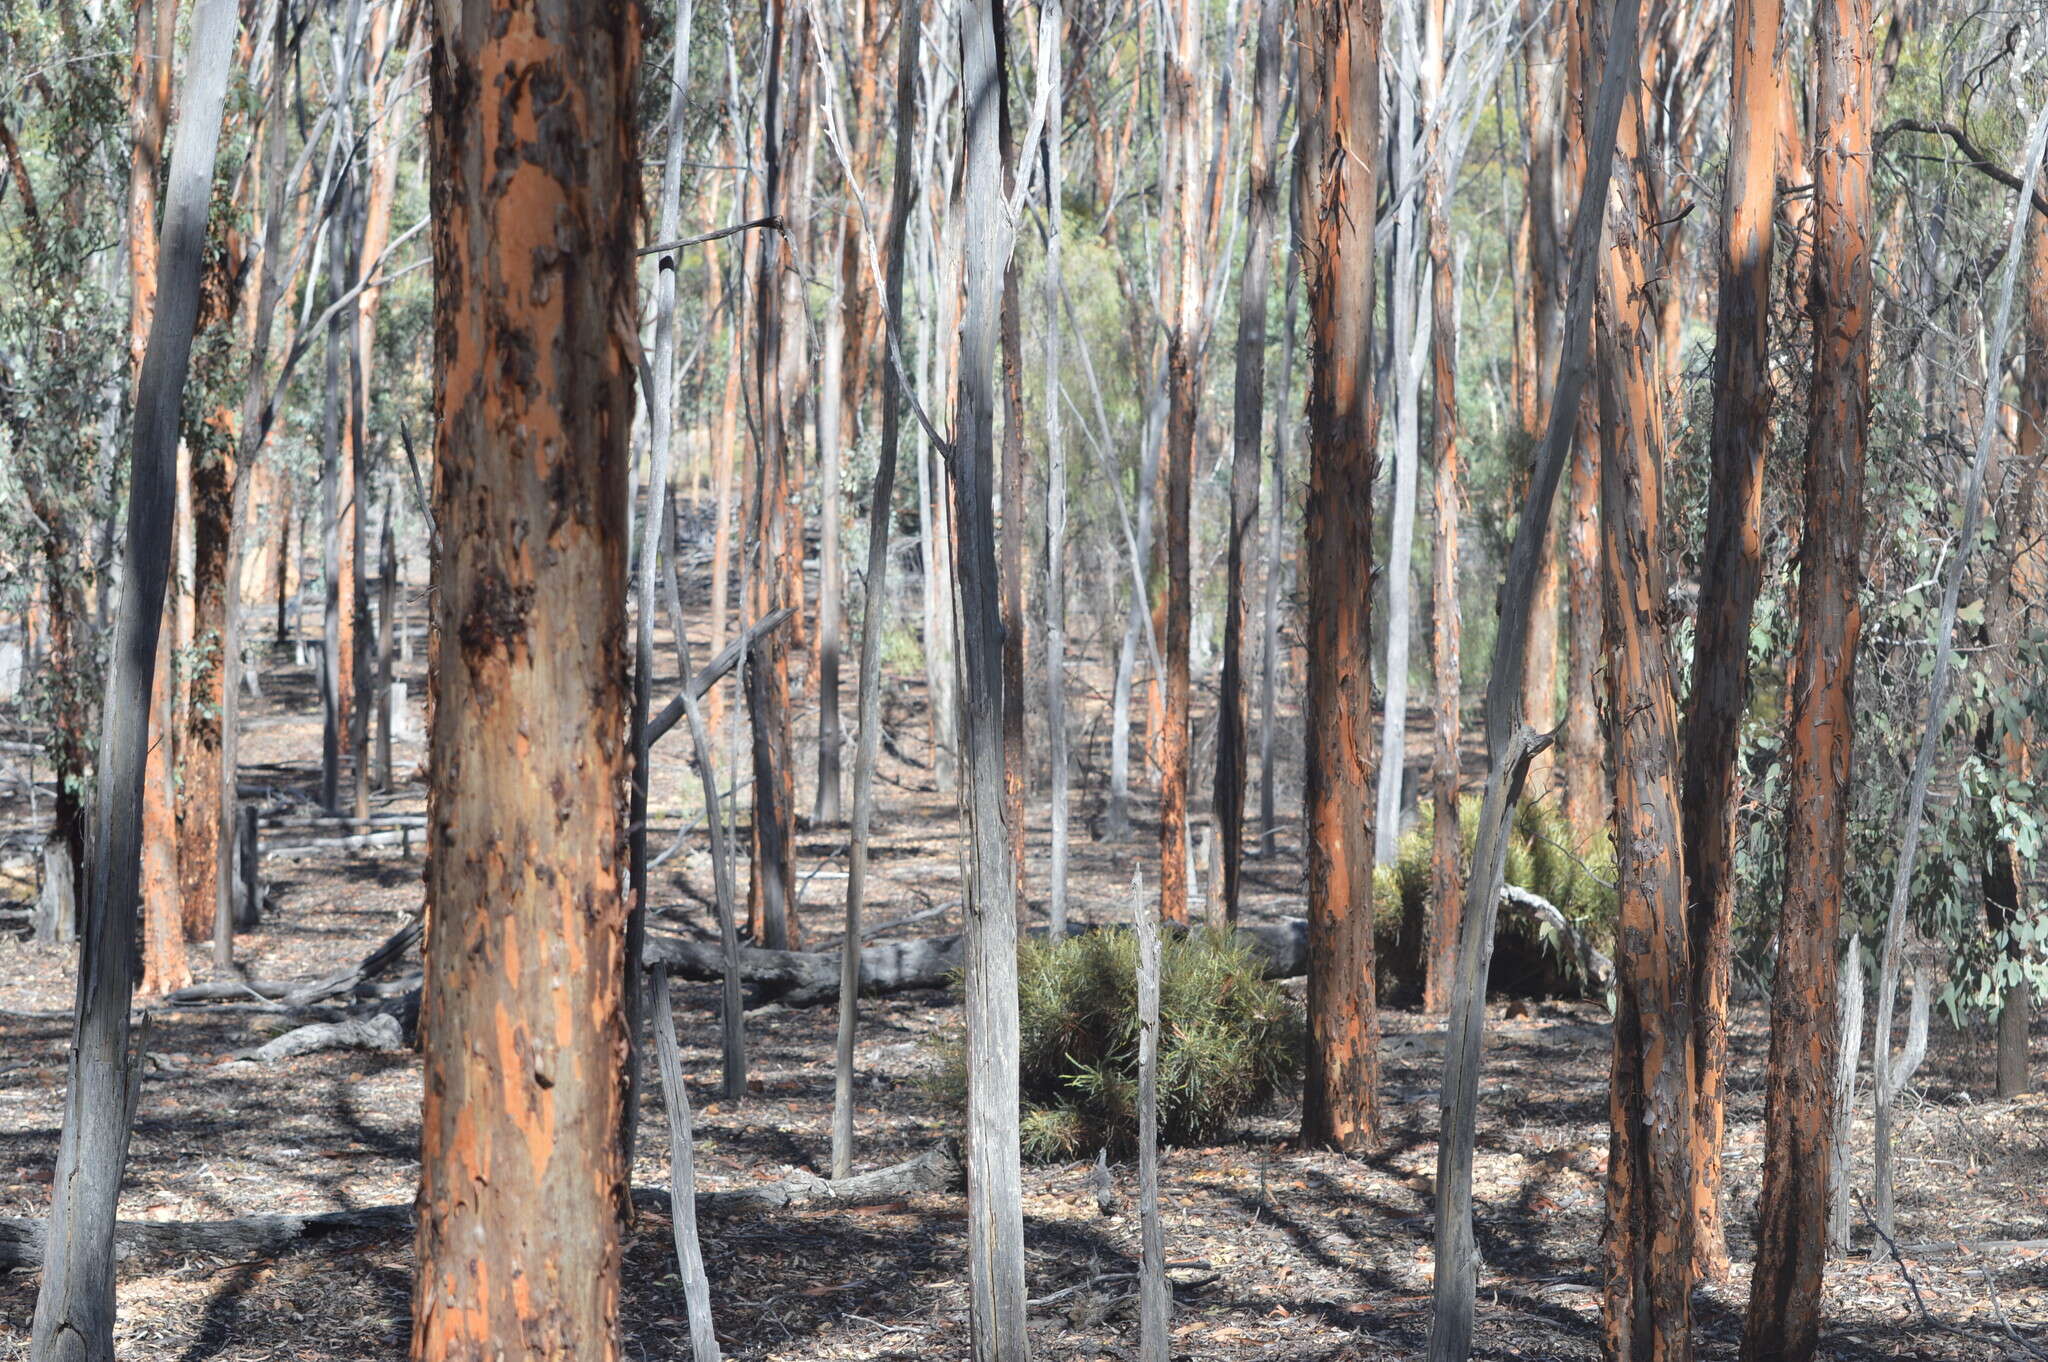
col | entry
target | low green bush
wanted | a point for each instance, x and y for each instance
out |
(1229, 1038)
(1540, 859)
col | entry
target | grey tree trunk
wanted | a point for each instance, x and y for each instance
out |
(831, 423)
(995, 1220)
(1411, 322)
(682, 1169)
(1247, 435)
(387, 605)
(1055, 506)
(257, 411)
(660, 395)
(74, 1315)
(875, 602)
(1269, 644)
(1510, 743)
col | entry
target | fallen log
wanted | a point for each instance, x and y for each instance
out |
(378, 1031)
(254, 1237)
(370, 966)
(811, 978)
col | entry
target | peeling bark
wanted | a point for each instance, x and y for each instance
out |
(1783, 1319)
(1340, 112)
(522, 1019)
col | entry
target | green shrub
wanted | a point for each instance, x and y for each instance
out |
(1539, 860)
(1228, 1039)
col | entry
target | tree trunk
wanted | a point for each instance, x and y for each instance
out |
(337, 463)
(1783, 1320)
(1055, 501)
(1647, 1314)
(660, 399)
(387, 608)
(834, 417)
(164, 967)
(214, 593)
(1340, 110)
(74, 1315)
(1731, 570)
(1510, 742)
(522, 1181)
(1180, 301)
(1408, 325)
(1016, 756)
(777, 551)
(1262, 200)
(995, 1224)
(1269, 644)
(875, 599)
(1447, 872)
(1586, 791)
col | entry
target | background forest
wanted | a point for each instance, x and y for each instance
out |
(1105, 504)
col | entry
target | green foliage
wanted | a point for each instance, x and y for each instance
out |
(1540, 859)
(1228, 1039)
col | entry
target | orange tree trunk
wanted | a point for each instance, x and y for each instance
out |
(777, 561)
(1730, 572)
(1341, 129)
(535, 193)
(164, 966)
(1648, 1239)
(1784, 1301)
(1180, 304)
(212, 439)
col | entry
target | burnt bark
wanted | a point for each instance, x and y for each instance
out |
(522, 1016)
(995, 1224)
(1783, 1319)
(1649, 1270)
(1731, 570)
(1248, 426)
(1180, 306)
(1340, 111)
(776, 548)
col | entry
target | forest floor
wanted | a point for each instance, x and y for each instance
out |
(1296, 1255)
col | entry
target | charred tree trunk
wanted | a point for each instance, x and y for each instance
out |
(771, 892)
(1783, 1320)
(1647, 1314)
(522, 1180)
(1262, 201)
(387, 608)
(1731, 569)
(1340, 109)
(995, 1224)
(1016, 762)
(1180, 304)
